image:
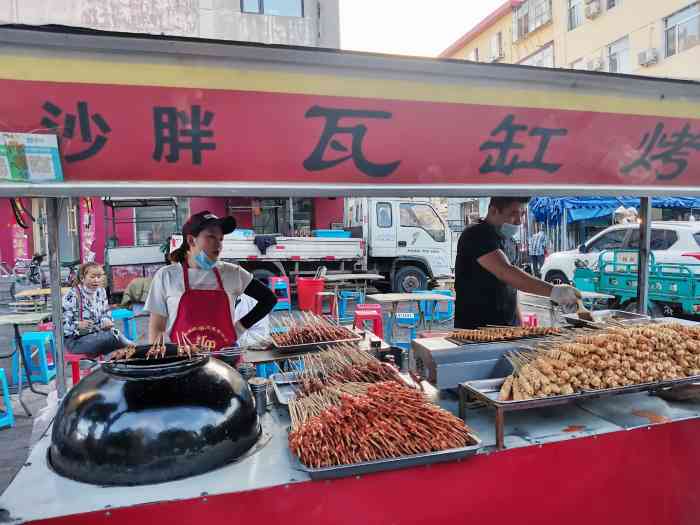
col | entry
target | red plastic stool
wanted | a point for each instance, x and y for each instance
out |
(74, 360)
(373, 307)
(530, 320)
(362, 316)
(332, 303)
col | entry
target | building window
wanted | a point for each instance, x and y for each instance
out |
(614, 3)
(274, 7)
(575, 13)
(531, 15)
(155, 224)
(497, 46)
(683, 30)
(619, 56)
(474, 55)
(542, 58)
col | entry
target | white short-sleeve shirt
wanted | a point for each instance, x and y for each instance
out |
(168, 286)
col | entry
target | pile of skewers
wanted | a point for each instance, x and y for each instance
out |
(342, 363)
(492, 334)
(309, 329)
(359, 422)
(612, 358)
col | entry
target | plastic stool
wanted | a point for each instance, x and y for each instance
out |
(318, 303)
(405, 320)
(530, 320)
(444, 310)
(280, 287)
(362, 316)
(74, 360)
(345, 297)
(127, 317)
(45, 370)
(7, 418)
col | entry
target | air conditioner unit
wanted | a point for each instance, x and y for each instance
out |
(596, 64)
(593, 10)
(648, 57)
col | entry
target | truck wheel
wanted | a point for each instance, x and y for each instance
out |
(263, 275)
(410, 278)
(654, 309)
(556, 277)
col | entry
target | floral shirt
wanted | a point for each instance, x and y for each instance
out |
(95, 309)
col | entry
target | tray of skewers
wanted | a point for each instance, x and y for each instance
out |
(309, 332)
(497, 334)
(354, 415)
(617, 360)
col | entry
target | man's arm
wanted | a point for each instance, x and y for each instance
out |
(497, 263)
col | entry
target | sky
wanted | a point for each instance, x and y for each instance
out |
(408, 27)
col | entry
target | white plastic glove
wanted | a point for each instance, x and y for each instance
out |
(239, 328)
(564, 294)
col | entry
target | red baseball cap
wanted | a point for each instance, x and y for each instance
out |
(197, 222)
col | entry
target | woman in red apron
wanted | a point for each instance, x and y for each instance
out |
(195, 297)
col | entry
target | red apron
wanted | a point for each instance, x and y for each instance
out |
(204, 316)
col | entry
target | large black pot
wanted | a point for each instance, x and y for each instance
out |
(153, 421)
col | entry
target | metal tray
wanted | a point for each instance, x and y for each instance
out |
(516, 340)
(601, 316)
(383, 465)
(282, 384)
(487, 391)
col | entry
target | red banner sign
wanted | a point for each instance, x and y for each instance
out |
(131, 133)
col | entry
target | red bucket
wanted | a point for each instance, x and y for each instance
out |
(307, 288)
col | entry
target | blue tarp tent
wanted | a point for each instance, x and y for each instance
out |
(550, 210)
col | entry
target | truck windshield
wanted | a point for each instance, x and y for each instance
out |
(422, 216)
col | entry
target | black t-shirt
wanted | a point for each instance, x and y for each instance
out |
(482, 299)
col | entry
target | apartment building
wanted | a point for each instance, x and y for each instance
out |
(641, 37)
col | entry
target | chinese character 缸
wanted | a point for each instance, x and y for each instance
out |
(670, 152)
(506, 165)
(316, 161)
(96, 143)
(172, 131)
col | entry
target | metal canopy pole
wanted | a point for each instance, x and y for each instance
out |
(643, 260)
(52, 216)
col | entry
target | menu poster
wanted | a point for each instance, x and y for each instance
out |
(29, 157)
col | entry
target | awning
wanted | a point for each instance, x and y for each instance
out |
(550, 209)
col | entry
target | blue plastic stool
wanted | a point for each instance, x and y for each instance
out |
(444, 310)
(405, 320)
(267, 369)
(345, 297)
(127, 317)
(426, 307)
(7, 418)
(280, 287)
(43, 372)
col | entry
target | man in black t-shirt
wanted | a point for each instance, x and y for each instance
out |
(485, 281)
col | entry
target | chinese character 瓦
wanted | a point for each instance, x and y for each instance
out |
(171, 131)
(316, 161)
(83, 118)
(670, 152)
(505, 165)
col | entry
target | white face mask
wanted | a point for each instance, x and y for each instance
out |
(510, 230)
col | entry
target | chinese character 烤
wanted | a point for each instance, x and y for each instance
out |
(83, 120)
(507, 165)
(317, 162)
(172, 132)
(671, 152)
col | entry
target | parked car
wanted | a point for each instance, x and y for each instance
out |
(671, 242)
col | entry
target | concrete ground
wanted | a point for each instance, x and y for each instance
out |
(15, 441)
